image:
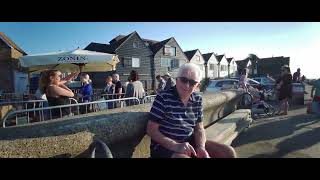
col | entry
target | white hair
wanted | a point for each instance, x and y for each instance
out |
(86, 77)
(195, 69)
(116, 76)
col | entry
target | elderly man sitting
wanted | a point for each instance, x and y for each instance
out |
(175, 125)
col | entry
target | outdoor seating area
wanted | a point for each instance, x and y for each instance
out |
(24, 112)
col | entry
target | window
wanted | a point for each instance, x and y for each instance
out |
(170, 63)
(122, 62)
(135, 62)
(257, 79)
(166, 50)
(211, 66)
(165, 62)
(174, 63)
(135, 45)
(169, 51)
(219, 84)
(197, 58)
(172, 51)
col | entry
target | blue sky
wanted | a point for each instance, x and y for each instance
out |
(299, 40)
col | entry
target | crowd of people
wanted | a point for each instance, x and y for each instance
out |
(183, 137)
(53, 88)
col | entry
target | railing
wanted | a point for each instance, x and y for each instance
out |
(98, 97)
(33, 103)
(23, 103)
(15, 96)
(95, 91)
(148, 99)
(88, 107)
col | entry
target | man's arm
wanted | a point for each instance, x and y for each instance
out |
(168, 143)
(120, 91)
(199, 135)
(70, 76)
(157, 136)
(200, 141)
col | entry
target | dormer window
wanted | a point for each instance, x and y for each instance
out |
(135, 45)
(197, 58)
(169, 51)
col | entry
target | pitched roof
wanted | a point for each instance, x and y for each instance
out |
(272, 60)
(150, 41)
(206, 57)
(190, 54)
(242, 63)
(10, 43)
(155, 46)
(229, 60)
(98, 47)
(117, 38)
(116, 42)
(219, 57)
(108, 48)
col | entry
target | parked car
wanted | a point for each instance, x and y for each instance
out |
(266, 82)
(252, 82)
(222, 84)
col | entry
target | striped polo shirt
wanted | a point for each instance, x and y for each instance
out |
(175, 120)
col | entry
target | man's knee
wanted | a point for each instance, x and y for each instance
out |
(230, 152)
(220, 150)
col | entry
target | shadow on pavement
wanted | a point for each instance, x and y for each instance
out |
(275, 129)
(297, 142)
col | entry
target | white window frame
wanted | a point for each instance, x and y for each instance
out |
(174, 63)
(135, 62)
(167, 50)
(197, 58)
(171, 51)
(137, 45)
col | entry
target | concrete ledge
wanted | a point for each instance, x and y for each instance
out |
(225, 130)
(123, 130)
(67, 146)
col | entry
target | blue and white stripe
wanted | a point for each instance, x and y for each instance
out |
(175, 120)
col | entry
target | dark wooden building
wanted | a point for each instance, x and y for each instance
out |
(149, 57)
(133, 54)
(12, 79)
(263, 66)
(167, 57)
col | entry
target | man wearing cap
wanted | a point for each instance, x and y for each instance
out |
(175, 124)
(169, 82)
(161, 84)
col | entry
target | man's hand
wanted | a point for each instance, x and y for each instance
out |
(202, 153)
(184, 148)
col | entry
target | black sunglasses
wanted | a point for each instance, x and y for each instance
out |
(186, 80)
